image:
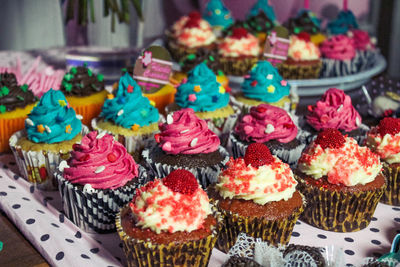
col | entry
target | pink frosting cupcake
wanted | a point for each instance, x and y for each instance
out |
(272, 126)
(335, 111)
(97, 180)
(365, 46)
(339, 56)
(186, 142)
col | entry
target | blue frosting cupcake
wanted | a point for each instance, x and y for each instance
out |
(262, 6)
(344, 22)
(217, 14)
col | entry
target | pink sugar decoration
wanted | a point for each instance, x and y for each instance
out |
(283, 83)
(192, 97)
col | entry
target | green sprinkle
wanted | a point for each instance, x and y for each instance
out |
(314, 29)
(5, 91)
(205, 61)
(220, 73)
(258, 28)
(73, 70)
(143, 112)
(85, 64)
(123, 70)
(181, 63)
(211, 58)
(2, 109)
(1, 246)
(100, 77)
(267, 24)
(80, 85)
(191, 56)
(68, 76)
(90, 73)
(68, 87)
(24, 87)
(20, 97)
(296, 30)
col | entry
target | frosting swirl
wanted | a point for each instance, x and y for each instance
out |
(349, 164)
(362, 40)
(217, 14)
(300, 49)
(100, 161)
(52, 120)
(334, 110)
(344, 22)
(265, 123)
(81, 81)
(128, 107)
(201, 91)
(338, 47)
(159, 208)
(262, 6)
(185, 133)
(267, 183)
(264, 83)
(240, 43)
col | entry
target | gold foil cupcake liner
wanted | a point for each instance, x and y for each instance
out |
(298, 72)
(237, 66)
(391, 195)
(275, 232)
(38, 167)
(338, 211)
(142, 253)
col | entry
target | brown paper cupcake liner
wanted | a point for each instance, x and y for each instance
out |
(275, 232)
(142, 253)
(391, 196)
(94, 210)
(237, 66)
(39, 167)
(338, 211)
(297, 72)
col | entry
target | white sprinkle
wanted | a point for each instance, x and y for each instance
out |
(47, 129)
(170, 119)
(269, 129)
(340, 108)
(29, 122)
(185, 131)
(350, 34)
(88, 188)
(63, 164)
(358, 122)
(194, 142)
(100, 169)
(120, 112)
(374, 40)
(101, 135)
(270, 77)
(79, 117)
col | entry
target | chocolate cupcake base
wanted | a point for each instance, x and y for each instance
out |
(237, 66)
(391, 196)
(298, 72)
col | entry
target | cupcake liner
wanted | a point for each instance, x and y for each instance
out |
(338, 211)
(94, 210)
(338, 68)
(180, 52)
(367, 58)
(237, 66)
(144, 253)
(289, 71)
(391, 196)
(38, 167)
(275, 232)
(134, 144)
(289, 156)
(205, 176)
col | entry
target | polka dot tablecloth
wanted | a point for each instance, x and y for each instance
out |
(38, 215)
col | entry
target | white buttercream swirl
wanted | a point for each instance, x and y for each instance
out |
(387, 147)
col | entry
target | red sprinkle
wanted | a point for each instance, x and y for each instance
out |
(304, 36)
(253, 83)
(111, 157)
(85, 157)
(157, 137)
(239, 33)
(195, 15)
(130, 89)
(181, 181)
(261, 109)
(194, 20)
(389, 126)
(258, 154)
(331, 138)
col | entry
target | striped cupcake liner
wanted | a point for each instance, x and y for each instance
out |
(38, 167)
(94, 210)
(205, 176)
(391, 196)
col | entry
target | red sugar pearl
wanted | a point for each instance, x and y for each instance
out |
(111, 157)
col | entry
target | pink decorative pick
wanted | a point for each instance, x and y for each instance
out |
(345, 5)
(307, 4)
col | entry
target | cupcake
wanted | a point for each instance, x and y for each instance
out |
(263, 84)
(128, 116)
(188, 34)
(261, 19)
(341, 181)
(84, 91)
(384, 140)
(306, 22)
(217, 15)
(201, 92)
(272, 126)
(238, 52)
(336, 111)
(51, 130)
(96, 181)
(344, 22)
(303, 60)
(185, 142)
(365, 47)
(15, 104)
(256, 195)
(169, 222)
(339, 57)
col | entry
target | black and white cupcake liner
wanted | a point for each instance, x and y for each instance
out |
(94, 210)
(205, 175)
(368, 58)
(38, 167)
(337, 68)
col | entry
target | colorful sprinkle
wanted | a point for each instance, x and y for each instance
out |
(358, 122)
(4, 91)
(101, 135)
(85, 157)
(192, 97)
(271, 89)
(283, 83)
(135, 127)
(20, 97)
(120, 112)
(100, 77)
(248, 129)
(143, 112)
(87, 188)
(191, 56)
(100, 169)
(68, 129)
(73, 70)
(170, 119)
(152, 103)
(167, 146)
(157, 138)
(90, 73)
(194, 142)
(217, 11)
(68, 76)
(79, 117)
(221, 90)
(270, 77)
(24, 87)
(254, 83)
(47, 129)
(269, 129)
(29, 122)
(2, 109)
(340, 108)
(62, 103)
(184, 131)
(111, 157)
(110, 96)
(40, 128)
(67, 86)
(129, 89)
(197, 88)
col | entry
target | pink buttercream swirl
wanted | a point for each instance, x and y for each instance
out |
(362, 40)
(265, 123)
(185, 133)
(101, 162)
(338, 47)
(334, 110)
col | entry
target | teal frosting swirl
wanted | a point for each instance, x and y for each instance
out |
(262, 5)
(344, 22)
(129, 106)
(217, 14)
(201, 91)
(52, 120)
(265, 84)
